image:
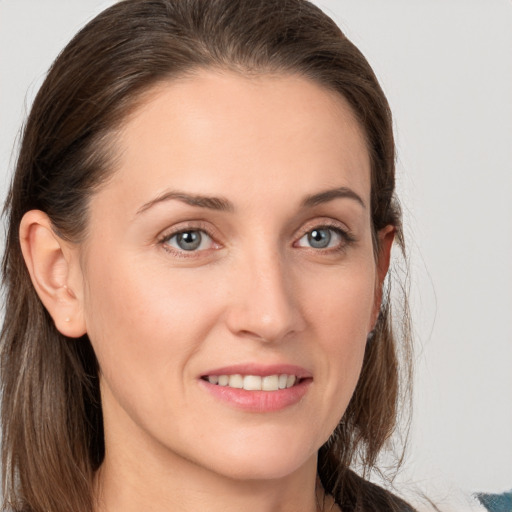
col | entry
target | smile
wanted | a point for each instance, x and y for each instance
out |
(254, 382)
(257, 388)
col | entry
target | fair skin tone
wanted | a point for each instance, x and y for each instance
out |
(233, 241)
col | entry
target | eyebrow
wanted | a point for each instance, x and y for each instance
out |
(212, 203)
(222, 204)
(329, 195)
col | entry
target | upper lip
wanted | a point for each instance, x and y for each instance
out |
(261, 370)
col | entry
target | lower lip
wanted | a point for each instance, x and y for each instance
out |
(259, 401)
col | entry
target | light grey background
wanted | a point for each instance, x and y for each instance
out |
(446, 67)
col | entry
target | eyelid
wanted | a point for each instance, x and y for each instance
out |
(326, 223)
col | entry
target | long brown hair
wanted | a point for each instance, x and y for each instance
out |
(52, 421)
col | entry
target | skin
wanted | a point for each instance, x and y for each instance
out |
(255, 291)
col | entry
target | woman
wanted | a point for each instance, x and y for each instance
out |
(200, 227)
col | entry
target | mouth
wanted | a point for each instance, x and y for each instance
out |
(258, 388)
(274, 382)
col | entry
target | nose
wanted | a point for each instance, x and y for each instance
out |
(264, 302)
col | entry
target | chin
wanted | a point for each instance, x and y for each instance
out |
(268, 459)
(263, 470)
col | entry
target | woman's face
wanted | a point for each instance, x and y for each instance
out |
(231, 246)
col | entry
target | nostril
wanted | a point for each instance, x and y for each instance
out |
(256, 336)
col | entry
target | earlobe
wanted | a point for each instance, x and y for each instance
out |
(385, 237)
(49, 259)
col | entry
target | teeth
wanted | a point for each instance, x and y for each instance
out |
(254, 382)
(236, 381)
(270, 383)
(290, 381)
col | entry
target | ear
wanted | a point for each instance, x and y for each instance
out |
(53, 263)
(385, 239)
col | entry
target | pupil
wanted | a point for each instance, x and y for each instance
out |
(319, 238)
(189, 240)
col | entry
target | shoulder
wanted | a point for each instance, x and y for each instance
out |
(496, 502)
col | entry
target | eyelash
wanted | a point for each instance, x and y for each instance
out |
(346, 237)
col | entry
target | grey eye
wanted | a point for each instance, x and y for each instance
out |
(319, 238)
(323, 238)
(191, 240)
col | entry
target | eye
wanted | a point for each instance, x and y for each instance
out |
(189, 240)
(323, 237)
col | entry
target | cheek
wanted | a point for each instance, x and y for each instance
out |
(341, 302)
(144, 325)
(341, 312)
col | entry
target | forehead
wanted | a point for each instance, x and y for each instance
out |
(223, 132)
